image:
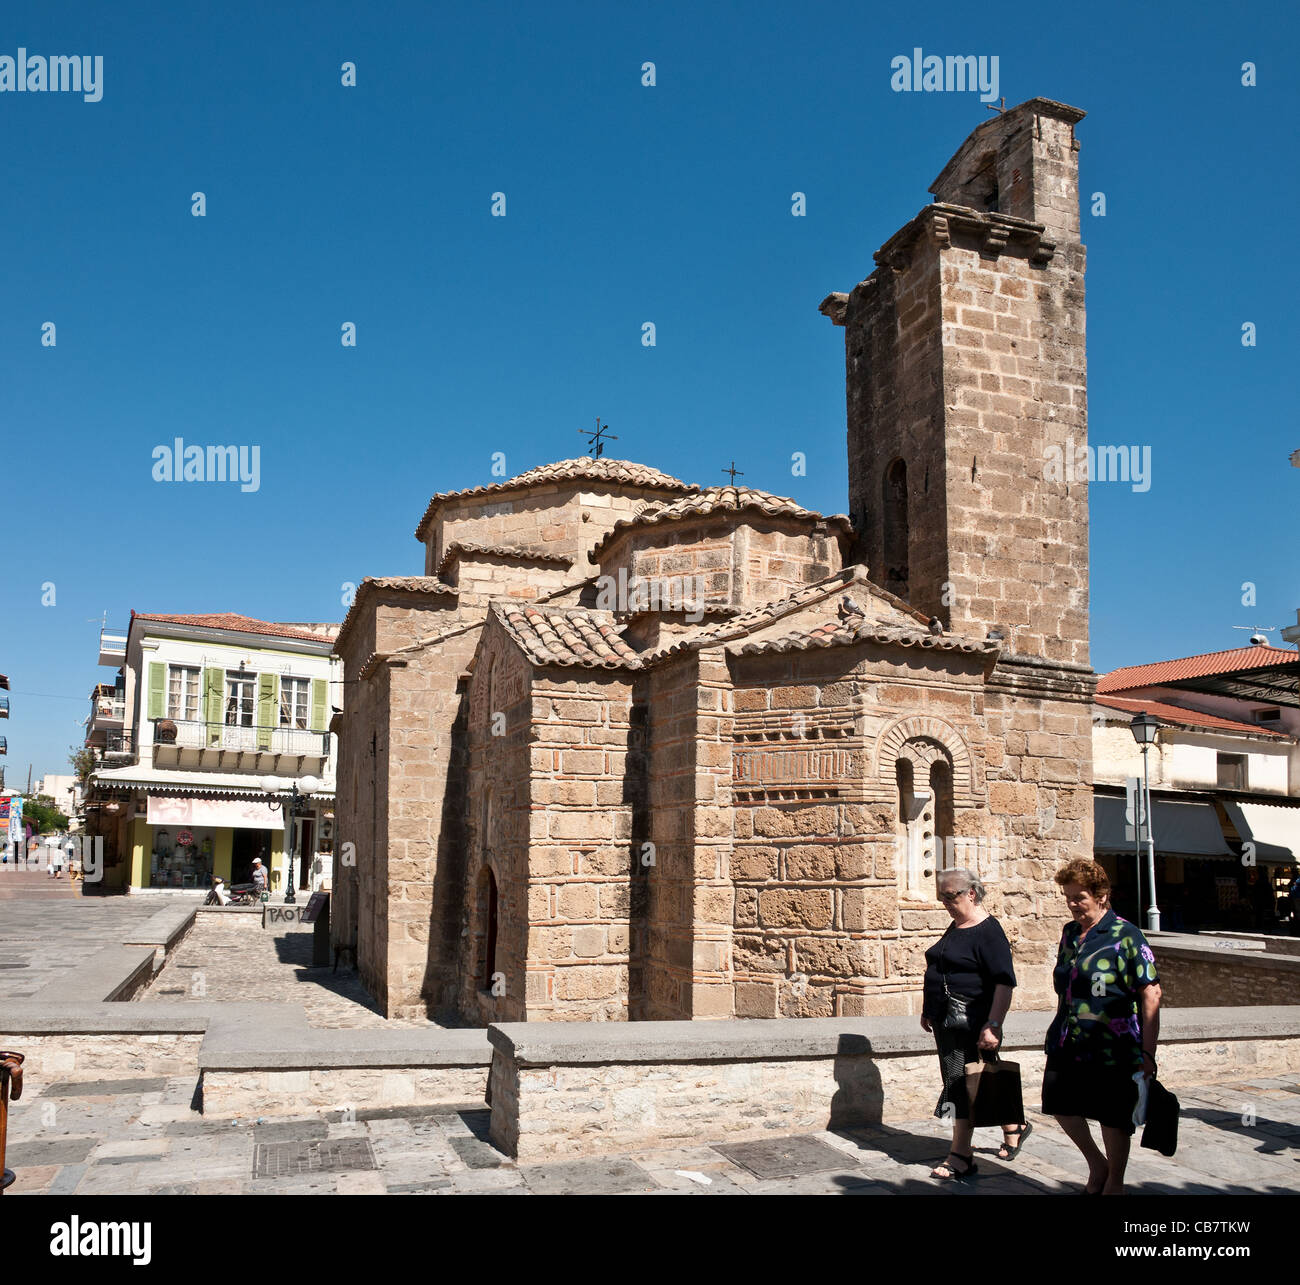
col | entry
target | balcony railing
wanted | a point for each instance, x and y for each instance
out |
(198, 735)
(118, 749)
(109, 710)
(112, 646)
(4, 706)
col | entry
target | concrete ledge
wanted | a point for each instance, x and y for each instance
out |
(559, 1089)
(90, 1041)
(113, 973)
(164, 929)
(577, 1043)
(256, 1071)
(259, 1047)
(1270, 942)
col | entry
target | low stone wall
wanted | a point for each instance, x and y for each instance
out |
(566, 1091)
(95, 1057)
(1270, 942)
(112, 1040)
(254, 1071)
(1193, 976)
(234, 1094)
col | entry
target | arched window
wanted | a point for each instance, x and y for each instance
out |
(490, 913)
(894, 518)
(945, 857)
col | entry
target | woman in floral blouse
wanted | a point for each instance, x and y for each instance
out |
(1106, 1026)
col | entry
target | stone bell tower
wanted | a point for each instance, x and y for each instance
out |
(967, 387)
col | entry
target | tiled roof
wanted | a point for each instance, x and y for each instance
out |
(756, 617)
(1213, 662)
(231, 621)
(856, 629)
(522, 552)
(408, 584)
(1167, 713)
(584, 468)
(718, 499)
(567, 636)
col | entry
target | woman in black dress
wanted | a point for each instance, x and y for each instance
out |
(971, 961)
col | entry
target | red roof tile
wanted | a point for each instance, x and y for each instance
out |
(717, 499)
(230, 620)
(1187, 717)
(1212, 662)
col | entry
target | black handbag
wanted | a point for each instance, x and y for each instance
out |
(1161, 1130)
(956, 1015)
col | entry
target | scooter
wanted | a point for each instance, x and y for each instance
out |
(240, 894)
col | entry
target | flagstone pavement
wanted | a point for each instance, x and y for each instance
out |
(143, 1136)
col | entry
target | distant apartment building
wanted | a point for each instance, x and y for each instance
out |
(63, 790)
(1225, 784)
(206, 713)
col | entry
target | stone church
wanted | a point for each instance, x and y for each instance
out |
(633, 749)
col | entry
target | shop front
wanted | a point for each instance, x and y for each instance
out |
(186, 841)
(1220, 865)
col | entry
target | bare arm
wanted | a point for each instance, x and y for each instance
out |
(1149, 1009)
(991, 1036)
(1001, 1003)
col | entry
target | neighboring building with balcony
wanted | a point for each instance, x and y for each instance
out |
(206, 707)
(1224, 772)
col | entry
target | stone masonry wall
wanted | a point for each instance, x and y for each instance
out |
(498, 800)
(585, 743)
(664, 929)
(561, 518)
(738, 561)
(825, 923)
(1191, 979)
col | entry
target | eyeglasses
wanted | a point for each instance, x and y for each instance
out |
(952, 896)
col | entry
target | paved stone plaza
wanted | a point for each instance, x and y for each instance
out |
(231, 958)
(143, 1136)
(46, 941)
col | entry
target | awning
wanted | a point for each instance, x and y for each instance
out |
(239, 814)
(214, 784)
(1275, 831)
(1189, 829)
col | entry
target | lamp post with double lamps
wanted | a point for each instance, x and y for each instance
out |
(1144, 727)
(298, 802)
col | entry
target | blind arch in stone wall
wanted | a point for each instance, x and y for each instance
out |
(922, 739)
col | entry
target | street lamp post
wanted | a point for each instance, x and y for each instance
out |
(297, 804)
(1144, 727)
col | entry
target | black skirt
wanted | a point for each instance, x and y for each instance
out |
(956, 1048)
(1106, 1094)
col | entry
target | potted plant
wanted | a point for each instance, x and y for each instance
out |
(164, 732)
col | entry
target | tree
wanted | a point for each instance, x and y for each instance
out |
(45, 818)
(82, 761)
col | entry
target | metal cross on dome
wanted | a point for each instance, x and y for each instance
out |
(595, 441)
(734, 471)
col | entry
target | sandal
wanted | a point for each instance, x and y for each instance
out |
(1006, 1151)
(946, 1173)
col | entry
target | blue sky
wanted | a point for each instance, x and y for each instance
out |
(625, 204)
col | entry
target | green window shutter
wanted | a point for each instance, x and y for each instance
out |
(319, 719)
(266, 709)
(212, 685)
(157, 689)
